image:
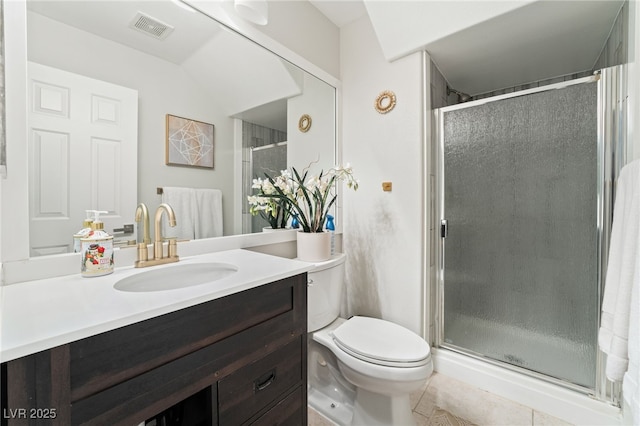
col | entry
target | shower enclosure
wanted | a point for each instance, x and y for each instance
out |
(269, 159)
(524, 206)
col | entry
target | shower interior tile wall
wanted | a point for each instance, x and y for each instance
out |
(533, 84)
(438, 88)
(254, 135)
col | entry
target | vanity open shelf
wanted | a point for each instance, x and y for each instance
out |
(238, 359)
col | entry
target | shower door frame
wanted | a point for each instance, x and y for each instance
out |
(611, 156)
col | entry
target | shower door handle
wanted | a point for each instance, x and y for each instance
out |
(444, 228)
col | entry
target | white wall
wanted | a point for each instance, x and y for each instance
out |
(305, 148)
(383, 230)
(314, 37)
(296, 30)
(14, 191)
(163, 88)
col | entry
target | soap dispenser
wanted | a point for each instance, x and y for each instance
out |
(96, 250)
(86, 228)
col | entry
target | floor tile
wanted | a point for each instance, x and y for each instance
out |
(444, 401)
(472, 404)
(421, 420)
(441, 417)
(317, 419)
(415, 396)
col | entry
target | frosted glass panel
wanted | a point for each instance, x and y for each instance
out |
(520, 279)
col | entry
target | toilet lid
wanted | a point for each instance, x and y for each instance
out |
(381, 342)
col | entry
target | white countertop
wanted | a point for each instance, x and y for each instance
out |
(43, 314)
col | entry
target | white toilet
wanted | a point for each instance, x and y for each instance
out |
(361, 370)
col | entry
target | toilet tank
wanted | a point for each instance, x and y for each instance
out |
(324, 292)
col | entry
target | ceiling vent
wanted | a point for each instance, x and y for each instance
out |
(150, 26)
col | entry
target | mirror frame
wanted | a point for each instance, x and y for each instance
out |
(14, 193)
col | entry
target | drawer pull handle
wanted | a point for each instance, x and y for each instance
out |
(264, 381)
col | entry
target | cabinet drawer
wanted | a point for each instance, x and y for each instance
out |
(252, 388)
(102, 361)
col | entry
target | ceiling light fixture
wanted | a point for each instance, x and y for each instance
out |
(256, 11)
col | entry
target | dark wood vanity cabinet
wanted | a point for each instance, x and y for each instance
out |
(237, 360)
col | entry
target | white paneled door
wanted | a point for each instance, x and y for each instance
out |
(83, 144)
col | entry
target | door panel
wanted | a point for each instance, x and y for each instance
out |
(83, 144)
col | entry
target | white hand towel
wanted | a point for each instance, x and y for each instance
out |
(182, 201)
(209, 213)
(631, 382)
(622, 272)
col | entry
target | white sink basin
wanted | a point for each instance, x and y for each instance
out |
(176, 277)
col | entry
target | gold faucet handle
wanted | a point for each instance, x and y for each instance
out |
(173, 248)
(143, 252)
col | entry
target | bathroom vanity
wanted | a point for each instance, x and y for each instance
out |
(230, 352)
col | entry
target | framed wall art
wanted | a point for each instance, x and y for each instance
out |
(189, 143)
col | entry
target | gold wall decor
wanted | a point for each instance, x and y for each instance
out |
(189, 143)
(385, 102)
(304, 124)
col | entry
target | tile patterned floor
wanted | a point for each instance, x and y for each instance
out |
(447, 402)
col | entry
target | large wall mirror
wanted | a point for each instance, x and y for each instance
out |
(138, 62)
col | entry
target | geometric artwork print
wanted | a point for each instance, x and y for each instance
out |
(189, 142)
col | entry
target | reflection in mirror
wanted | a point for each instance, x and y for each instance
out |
(132, 63)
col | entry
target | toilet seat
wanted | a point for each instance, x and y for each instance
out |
(381, 342)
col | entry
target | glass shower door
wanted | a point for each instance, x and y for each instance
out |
(520, 265)
(267, 159)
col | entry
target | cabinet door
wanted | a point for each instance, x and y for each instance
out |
(288, 412)
(35, 389)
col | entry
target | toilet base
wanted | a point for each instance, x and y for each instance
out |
(372, 409)
(328, 392)
(338, 412)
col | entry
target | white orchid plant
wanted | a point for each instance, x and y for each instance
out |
(273, 210)
(307, 198)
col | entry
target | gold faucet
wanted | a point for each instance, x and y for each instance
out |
(142, 213)
(158, 251)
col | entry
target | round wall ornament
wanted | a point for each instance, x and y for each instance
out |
(385, 102)
(304, 124)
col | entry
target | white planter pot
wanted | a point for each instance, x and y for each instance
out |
(314, 246)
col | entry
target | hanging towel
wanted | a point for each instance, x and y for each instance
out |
(182, 200)
(208, 222)
(623, 273)
(631, 382)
